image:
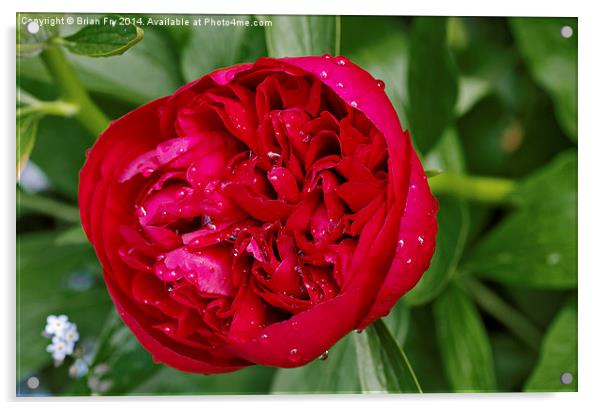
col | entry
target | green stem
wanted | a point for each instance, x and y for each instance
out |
(48, 206)
(507, 315)
(72, 90)
(58, 107)
(479, 189)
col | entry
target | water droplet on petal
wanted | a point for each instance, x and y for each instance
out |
(353, 104)
(263, 338)
(293, 355)
(420, 240)
(273, 155)
(323, 74)
(340, 85)
(400, 243)
(409, 261)
(341, 61)
(380, 84)
(141, 211)
(323, 356)
(326, 56)
(147, 172)
(359, 331)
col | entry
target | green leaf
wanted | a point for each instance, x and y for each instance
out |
(463, 342)
(385, 57)
(62, 170)
(103, 40)
(168, 381)
(454, 223)
(337, 374)
(146, 72)
(558, 354)
(382, 365)
(552, 61)
(536, 245)
(513, 362)
(423, 352)
(73, 235)
(302, 35)
(27, 127)
(52, 280)
(211, 47)
(398, 322)
(470, 91)
(432, 82)
(120, 362)
(539, 305)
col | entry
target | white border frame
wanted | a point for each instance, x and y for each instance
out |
(590, 277)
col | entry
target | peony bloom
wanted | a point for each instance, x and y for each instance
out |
(259, 214)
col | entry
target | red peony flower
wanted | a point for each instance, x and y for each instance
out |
(259, 214)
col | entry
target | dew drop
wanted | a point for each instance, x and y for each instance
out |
(380, 84)
(340, 85)
(293, 355)
(353, 104)
(323, 74)
(359, 331)
(147, 172)
(263, 338)
(323, 356)
(420, 240)
(273, 155)
(341, 61)
(326, 56)
(409, 261)
(141, 211)
(400, 243)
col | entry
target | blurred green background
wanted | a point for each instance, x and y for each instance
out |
(491, 102)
